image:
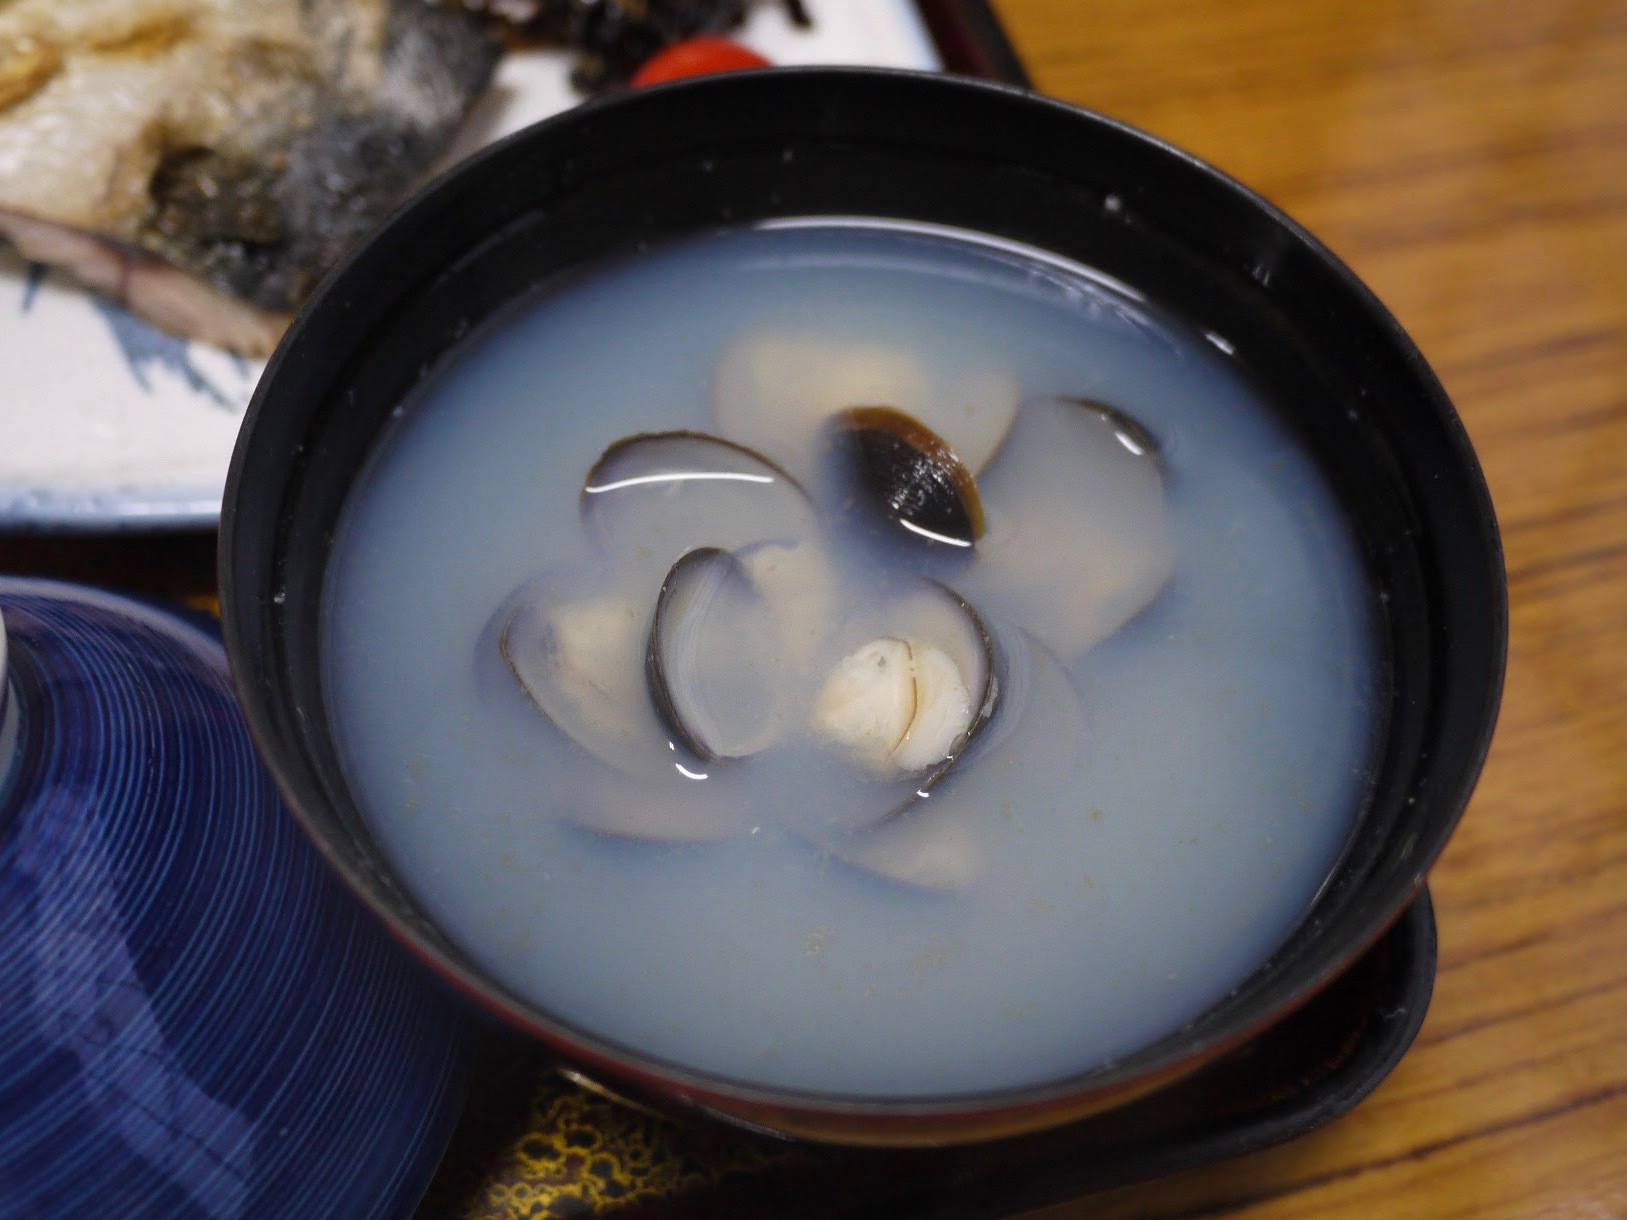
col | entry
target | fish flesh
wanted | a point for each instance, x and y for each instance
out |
(204, 162)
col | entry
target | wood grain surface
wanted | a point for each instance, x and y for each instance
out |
(1469, 159)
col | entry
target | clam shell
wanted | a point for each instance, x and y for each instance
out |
(931, 620)
(713, 659)
(944, 838)
(1086, 481)
(577, 651)
(908, 475)
(576, 648)
(777, 390)
(652, 497)
(695, 811)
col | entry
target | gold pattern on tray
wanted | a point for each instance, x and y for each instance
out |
(571, 1153)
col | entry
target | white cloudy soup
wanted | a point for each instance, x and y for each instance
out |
(863, 660)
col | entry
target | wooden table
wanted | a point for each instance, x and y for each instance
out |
(1469, 159)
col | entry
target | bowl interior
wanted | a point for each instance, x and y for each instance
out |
(612, 178)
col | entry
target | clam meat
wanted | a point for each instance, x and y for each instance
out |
(897, 705)
(907, 702)
(942, 840)
(801, 588)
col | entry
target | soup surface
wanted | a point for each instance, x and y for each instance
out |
(1177, 739)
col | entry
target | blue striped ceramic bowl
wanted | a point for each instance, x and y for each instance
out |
(196, 1021)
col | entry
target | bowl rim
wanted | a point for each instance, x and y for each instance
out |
(939, 1118)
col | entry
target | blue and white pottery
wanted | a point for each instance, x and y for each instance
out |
(196, 1021)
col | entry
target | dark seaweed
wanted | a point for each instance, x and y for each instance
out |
(615, 37)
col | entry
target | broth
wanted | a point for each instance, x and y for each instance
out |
(1149, 811)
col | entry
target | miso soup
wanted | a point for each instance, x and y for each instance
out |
(860, 659)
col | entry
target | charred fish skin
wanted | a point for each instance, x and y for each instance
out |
(264, 217)
(245, 144)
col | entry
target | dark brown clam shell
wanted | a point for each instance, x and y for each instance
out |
(909, 475)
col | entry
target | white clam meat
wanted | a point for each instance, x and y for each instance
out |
(797, 582)
(944, 839)
(897, 706)
(907, 702)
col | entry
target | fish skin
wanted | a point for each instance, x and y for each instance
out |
(245, 144)
(165, 296)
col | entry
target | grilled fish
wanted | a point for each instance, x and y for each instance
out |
(205, 161)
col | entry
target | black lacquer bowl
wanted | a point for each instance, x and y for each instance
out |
(727, 151)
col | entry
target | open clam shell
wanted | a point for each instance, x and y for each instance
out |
(776, 391)
(654, 496)
(941, 839)
(919, 847)
(1081, 479)
(915, 682)
(577, 651)
(714, 660)
(1129, 431)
